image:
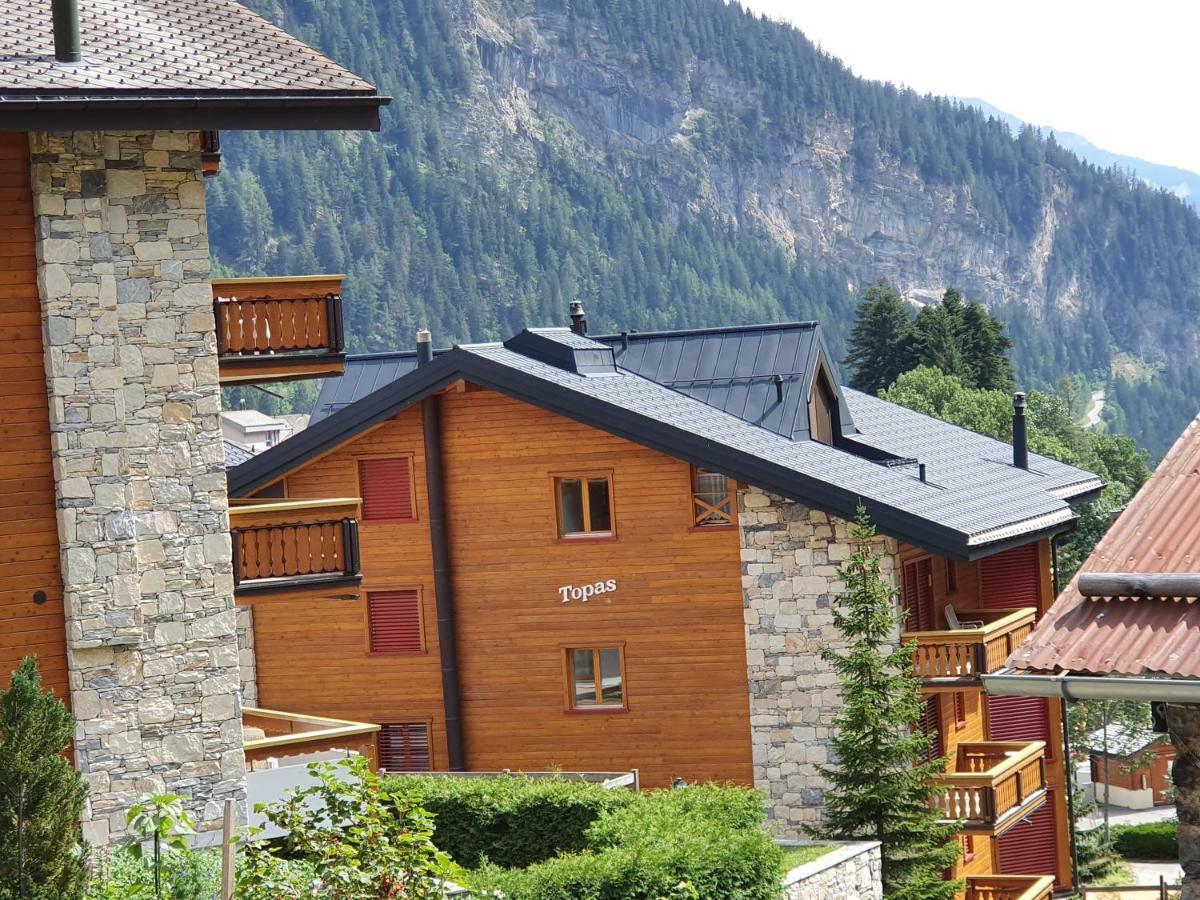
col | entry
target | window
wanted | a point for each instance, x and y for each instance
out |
(960, 710)
(822, 409)
(404, 747)
(386, 486)
(584, 506)
(595, 678)
(968, 842)
(394, 619)
(928, 724)
(712, 498)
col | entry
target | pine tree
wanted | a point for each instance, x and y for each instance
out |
(880, 342)
(41, 795)
(882, 788)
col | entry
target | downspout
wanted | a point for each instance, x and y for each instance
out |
(443, 583)
(1069, 764)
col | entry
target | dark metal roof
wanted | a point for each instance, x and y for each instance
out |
(172, 64)
(365, 373)
(1157, 533)
(973, 504)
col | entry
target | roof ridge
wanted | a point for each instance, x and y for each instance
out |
(720, 329)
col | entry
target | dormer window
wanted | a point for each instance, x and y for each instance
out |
(822, 409)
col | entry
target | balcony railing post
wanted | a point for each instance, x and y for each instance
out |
(220, 326)
(235, 536)
(350, 546)
(333, 306)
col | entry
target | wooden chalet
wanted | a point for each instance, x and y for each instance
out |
(579, 552)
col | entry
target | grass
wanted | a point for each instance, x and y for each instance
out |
(798, 856)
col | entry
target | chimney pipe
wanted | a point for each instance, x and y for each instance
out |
(65, 16)
(1020, 438)
(921, 472)
(424, 347)
(578, 317)
(624, 340)
(777, 380)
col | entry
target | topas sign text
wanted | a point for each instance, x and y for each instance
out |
(585, 592)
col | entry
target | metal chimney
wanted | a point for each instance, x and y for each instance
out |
(578, 317)
(424, 347)
(1020, 437)
(65, 15)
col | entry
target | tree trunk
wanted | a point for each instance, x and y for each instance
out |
(1183, 720)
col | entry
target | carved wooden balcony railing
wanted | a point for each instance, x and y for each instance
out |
(1009, 887)
(953, 657)
(277, 329)
(993, 784)
(295, 545)
(273, 734)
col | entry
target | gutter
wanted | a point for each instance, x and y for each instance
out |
(1007, 683)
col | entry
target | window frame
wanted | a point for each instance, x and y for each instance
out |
(731, 487)
(565, 651)
(429, 736)
(556, 479)
(386, 588)
(409, 459)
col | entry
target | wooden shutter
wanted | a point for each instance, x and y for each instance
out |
(404, 747)
(1019, 719)
(918, 595)
(386, 486)
(929, 725)
(395, 621)
(960, 710)
(1011, 579)
(1031, 848)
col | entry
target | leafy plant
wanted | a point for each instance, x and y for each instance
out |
(356, 837)
(161, 821)
(41, 795)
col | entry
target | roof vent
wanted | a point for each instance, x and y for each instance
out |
(65, 16)
(424, 347)
(578, 317)
(1020, 438)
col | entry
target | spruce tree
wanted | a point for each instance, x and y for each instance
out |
(881, 787)
(881, 340)
(41, 795)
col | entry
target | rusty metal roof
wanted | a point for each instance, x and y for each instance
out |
(1158, 533)
(165, 51)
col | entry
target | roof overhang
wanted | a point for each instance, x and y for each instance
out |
(173, 111)
(1068, 686)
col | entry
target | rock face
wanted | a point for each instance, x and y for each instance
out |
(131, 366)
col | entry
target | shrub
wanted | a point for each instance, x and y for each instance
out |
(186, 875)
(1149, 840)
(512, 822)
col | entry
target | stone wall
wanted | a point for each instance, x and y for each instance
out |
(247, 665)
(851, 872)
(790, 558)
(131, 365)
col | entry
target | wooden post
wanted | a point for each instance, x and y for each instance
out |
(228, 853)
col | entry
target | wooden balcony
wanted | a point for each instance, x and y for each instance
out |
(1009, 887)
(279, 329)
(285, 546)
(992, 785)
(950, 659)
(270, 734)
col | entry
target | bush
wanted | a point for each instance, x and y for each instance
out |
(707, 840)
(1150, 840)
(511, 822)
(122, 875)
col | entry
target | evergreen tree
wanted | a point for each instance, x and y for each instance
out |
(41, 795)
(880, 345)
(882, 788)
(985, 348)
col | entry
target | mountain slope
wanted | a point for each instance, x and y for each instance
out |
(689, 164)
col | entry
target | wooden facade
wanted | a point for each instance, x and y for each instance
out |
(31, 595)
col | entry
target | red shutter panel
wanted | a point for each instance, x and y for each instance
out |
(1030, 848)
(929, 725)
(404, 747)
(1019, 719)
(395, 620)
(386, 486)
(1010, 579)
(918, 595)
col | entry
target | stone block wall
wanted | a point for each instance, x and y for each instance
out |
(247, 665)
(851, 872)
(131, 366)
(790, 559)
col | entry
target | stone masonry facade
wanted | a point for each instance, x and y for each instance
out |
(853, 871)
(131, 366)
(790, 559)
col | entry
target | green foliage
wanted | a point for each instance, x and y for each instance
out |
(512, 822)
(160, 821)
(363, 839)
(123, 875)
(882, 786)
(1097, 861)
(41, 795)
(1147, 840)
(702, 841)
(881, 342)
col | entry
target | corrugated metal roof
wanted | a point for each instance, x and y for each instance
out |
(1157, 533)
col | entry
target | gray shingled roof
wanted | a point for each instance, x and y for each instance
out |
(177, 51)
(235, 454)
(972, 502)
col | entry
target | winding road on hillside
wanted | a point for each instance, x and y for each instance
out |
(1095, 407)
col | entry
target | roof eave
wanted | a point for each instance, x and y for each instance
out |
(256, 112)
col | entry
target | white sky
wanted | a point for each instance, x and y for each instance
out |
(1121, 76)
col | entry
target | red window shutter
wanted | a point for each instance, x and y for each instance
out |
(1011, 579)
(404, 747)
(395, 620)
(1019, 719)
(929, 725)
(960, 711)
(1030, 848)
(386, 486)
(918, 595)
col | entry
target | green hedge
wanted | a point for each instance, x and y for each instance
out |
(511, 822)
(1150, 840)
